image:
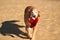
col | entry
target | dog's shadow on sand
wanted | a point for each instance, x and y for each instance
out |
(9, 28)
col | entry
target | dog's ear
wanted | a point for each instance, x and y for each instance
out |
(38, 13)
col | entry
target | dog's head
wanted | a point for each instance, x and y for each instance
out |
(32, 11)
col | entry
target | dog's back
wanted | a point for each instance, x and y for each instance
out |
(27, 15)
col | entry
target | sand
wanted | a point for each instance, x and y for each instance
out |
(12, 25)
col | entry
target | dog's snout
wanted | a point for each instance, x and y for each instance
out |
(34, 16)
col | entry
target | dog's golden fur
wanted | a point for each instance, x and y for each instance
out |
(27, 14)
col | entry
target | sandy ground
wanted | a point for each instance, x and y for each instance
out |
(12, 25)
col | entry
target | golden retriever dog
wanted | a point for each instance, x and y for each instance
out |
(31, 15)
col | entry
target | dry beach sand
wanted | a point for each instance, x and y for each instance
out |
(12, 25)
